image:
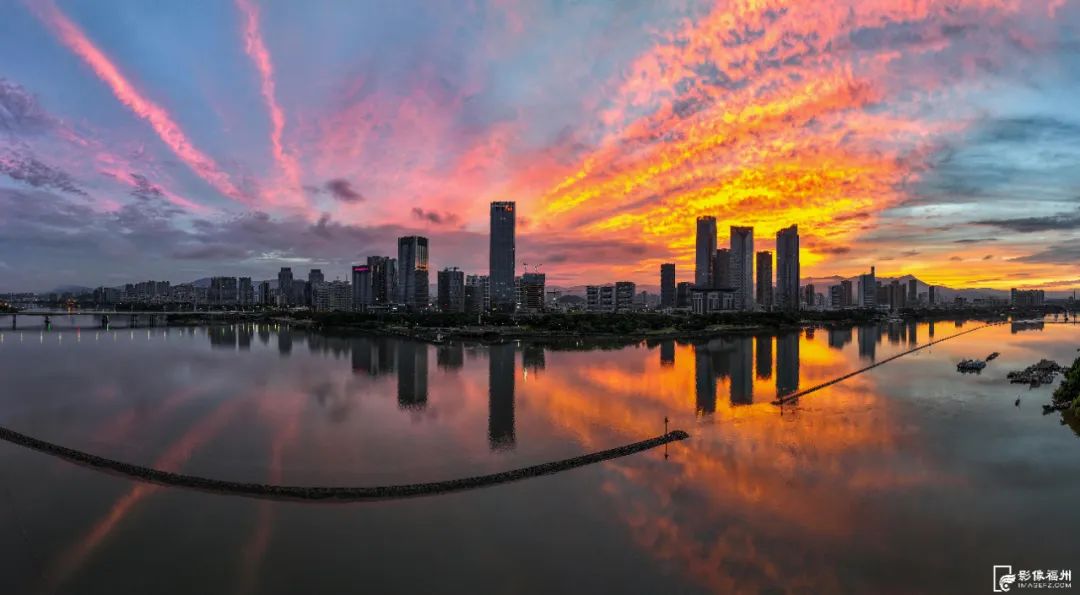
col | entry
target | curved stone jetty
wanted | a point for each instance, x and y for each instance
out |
(329, 494)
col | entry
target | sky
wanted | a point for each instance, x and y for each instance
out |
(152, 140)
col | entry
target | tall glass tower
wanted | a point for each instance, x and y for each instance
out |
(501, 256)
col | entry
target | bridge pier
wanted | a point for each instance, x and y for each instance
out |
(134, 321)
(104, 321)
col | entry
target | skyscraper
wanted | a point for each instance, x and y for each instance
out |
(706, 252)
(868, 290)
(501, 256)
(787, 268)
(721, 276)
(764, 280)
(532, 291)
(667, 285)
(361, 287)
(742, 266)
(285, 284)
(413, 272)
(451, 288)
(477, 293)
(913, 291)
(314, 278)
(383, 279)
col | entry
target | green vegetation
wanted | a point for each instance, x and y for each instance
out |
(1069, 390)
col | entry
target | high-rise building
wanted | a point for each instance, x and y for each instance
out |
(912, 292)
(847, 296)
(285, 285)
(477, 293)
(451, 290)
(363, 296)
(721, 277)
(624, 295)
(266, 294)
(667, 285)
(383, 280)
(868, 290)
(245, 292)
(742, 266)
(314, 276)
(931, 292)
(335, 296)
(706, 251)
(764, 280)
(600, 298)
(222, 291)
(787, 268)
(413, 272)
(532, 292)
(808, 295)
(682, 294)
(501, 255)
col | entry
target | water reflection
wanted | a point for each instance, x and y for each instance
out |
(412, 362)
(753, 502)
(787, 363)
(501, 396)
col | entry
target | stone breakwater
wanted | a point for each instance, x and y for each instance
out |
(329, 494)
(794, 396)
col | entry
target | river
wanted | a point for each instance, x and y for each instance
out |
(910, 477)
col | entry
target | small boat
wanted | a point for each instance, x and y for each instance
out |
(970, 365)
(992, 356)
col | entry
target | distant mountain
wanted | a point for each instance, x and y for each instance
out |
(73, 289)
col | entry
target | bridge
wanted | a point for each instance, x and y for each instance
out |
(104, 316)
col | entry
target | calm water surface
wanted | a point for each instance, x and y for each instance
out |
(909, 478)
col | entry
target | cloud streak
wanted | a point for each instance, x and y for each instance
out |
(256, 50)
(71, 36)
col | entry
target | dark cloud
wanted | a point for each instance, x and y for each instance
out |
(955, 258)
(1066, 253)
(145, 190)
(342, 190)
(20, 112)
(909, 253)
(1064, 221)
(25, 168)
(988, 257)
(974, 240)
(435, 217)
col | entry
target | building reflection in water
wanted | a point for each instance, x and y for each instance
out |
(930, 329)
(284, 342)
(741, 356)
(412, 368)
(868, 337)
(667, 352)
(450, 356)
(222, 337)
(243, 336)
(839, 337)
(894, 332)
(787, 363)
(533, 358)
(704, 379)
(912, 332)
(501, 396)
(264, 334)
(763, 346)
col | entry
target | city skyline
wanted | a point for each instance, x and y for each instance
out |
(898, 135)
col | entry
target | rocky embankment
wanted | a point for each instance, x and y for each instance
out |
(1036, 375)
